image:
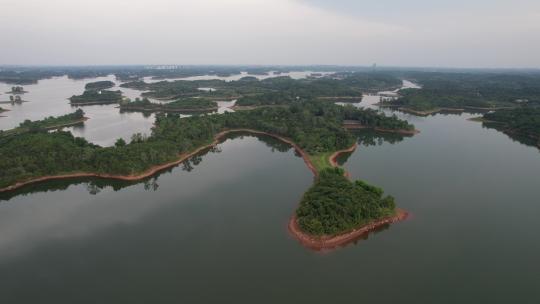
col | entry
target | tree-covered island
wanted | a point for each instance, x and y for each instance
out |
(315, 128)
(93, 97)
(99, 85)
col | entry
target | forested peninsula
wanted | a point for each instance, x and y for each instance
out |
(315, 128)
(49, 123)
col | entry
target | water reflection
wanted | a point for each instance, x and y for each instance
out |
(95, 186)
(374, 138)
(522, 139)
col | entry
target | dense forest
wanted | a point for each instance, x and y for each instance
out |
(179, 105)
(315, 126)
(96, 97)
(469, 90)
(99, 85)
(523, 124)
(271, 91)
(334, 204)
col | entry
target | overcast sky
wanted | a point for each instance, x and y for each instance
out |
(444, 33)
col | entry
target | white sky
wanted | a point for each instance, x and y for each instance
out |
(455, 33)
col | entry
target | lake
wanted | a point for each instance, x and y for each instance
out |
(215, 229)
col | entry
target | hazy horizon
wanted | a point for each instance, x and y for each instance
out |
(417, 34)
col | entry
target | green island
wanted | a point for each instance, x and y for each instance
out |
(335, 204)
(190, 104)
(313, 127)
(92, 97)
(99, 85)
(49, 123)
(521, 124)
(466, 92)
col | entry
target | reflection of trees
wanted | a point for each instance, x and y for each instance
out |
(522, 139)
(95, 185)
(374, 138)
(92, 188)
(151, 185)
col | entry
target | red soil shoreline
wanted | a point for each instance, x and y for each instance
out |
(331, 242)
(309, 241)
(155, 169)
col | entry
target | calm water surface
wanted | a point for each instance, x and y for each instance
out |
(214, 230)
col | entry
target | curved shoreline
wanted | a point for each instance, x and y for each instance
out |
(327, 242)
(155, 169)
(331, 242)
(309, 241)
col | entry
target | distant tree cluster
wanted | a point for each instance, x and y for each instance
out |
(96, 97)
(99, 85)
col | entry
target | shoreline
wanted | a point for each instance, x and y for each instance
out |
(309, 241)
(328, 242)
(340, 240)
(155, 169)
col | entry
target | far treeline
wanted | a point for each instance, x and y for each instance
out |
(316, 127)
(474, 91)
(271, 91)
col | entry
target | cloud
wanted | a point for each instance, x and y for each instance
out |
(266, 32)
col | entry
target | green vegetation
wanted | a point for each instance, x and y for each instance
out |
(90, 97)
(335, 205)
(180, 105)
(271, 91)
(522, 124)
(48, 123)
(469, 91)
(99, 85)
(314, 126)
(272, 98)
